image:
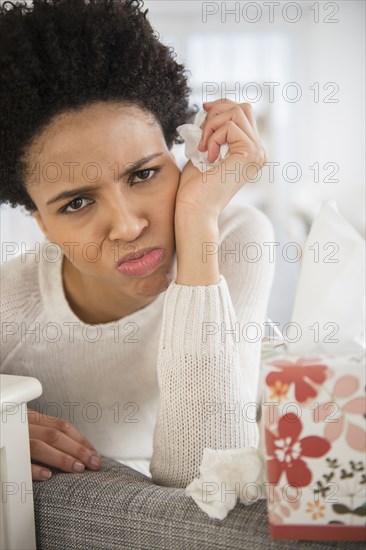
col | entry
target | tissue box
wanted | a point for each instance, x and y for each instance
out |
(313, 430)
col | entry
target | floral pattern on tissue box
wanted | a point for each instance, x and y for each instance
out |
(313, 425)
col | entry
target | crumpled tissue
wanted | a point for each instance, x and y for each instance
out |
(191, 133)
(329, 310)
(226, 476)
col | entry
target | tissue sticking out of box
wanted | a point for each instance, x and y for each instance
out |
(191, 133)
(329, 310)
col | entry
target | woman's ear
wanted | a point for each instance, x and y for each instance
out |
(41, 225)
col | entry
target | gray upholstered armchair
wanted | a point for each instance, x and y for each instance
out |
(118, 508)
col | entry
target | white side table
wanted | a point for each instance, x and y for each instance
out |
(16, 504)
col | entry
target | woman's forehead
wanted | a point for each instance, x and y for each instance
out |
(102, 116)
(109, 139)
(95, 129)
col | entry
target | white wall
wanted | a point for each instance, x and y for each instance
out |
(320, 52)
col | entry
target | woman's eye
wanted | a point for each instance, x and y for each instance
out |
(76, 205)
(144, 175)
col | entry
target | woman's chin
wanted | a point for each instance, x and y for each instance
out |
(154, 285)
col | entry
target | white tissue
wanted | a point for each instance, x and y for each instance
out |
(225, 476)
(191, 133)
(330, 296)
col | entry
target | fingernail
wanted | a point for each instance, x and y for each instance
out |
(45, 474)
(79, 467)
(94, 461)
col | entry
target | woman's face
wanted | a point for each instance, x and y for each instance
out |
(104, 184)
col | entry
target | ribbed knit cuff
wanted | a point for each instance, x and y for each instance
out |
(199, 320)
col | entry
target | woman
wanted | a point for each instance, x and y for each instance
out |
(138, 358)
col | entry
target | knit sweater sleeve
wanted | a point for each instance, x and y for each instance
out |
(19, 302)
(207, 375)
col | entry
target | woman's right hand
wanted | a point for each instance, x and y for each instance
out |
(55, 442)
(234, 124)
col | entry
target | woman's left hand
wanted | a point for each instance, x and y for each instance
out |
(208, 193)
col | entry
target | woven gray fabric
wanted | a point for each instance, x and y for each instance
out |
(118, 508)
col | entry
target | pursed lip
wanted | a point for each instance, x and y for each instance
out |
(136, 255)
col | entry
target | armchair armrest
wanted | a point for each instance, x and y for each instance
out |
(118, 508)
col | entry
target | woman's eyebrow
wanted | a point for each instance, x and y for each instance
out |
(73, 192)
(136, 165)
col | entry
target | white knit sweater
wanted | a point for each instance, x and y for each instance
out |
(160, 383)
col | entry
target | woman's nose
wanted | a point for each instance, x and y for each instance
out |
(125, 225)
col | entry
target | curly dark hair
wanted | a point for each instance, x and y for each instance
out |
(60, 55)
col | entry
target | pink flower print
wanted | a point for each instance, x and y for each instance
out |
(355, 435)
